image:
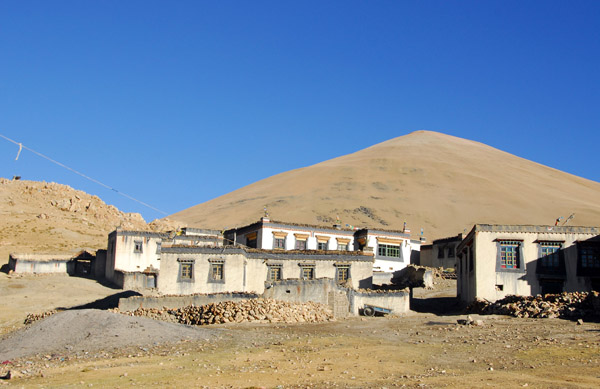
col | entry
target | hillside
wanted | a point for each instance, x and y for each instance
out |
(54, 218)
(430, 180)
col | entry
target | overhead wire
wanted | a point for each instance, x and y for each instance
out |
(22, 146)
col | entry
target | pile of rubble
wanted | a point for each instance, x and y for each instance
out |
(32, 317)
(573, 306)
(262, 310)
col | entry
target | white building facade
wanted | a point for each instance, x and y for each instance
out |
(392, 250)
(494, 261)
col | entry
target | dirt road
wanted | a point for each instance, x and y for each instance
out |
(418, 350)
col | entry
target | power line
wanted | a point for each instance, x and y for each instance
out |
(21, 146)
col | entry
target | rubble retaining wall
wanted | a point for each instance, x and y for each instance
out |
(158, 302)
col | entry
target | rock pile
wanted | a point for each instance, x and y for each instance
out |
(573, 306)
(262, 310)
(32, 317)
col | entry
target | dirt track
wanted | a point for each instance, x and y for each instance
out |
(417, 350)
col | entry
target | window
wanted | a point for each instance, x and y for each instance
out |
(186, 269)
(300, 244)
(450, 251)
(509, 254)
(307, 272)
(588, 264)
(549, 257)
(321, 245)
(342, 246)
(342, 273)
(251, 243)
(216, 271)
(138, 246)
(589, 258)
(386, 250)
(158, 247)
(279, 243)
(440, 252)
(274, 272)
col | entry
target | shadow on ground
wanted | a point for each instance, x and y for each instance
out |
(108, 302)
(440, 306)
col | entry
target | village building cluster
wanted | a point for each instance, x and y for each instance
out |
(491, 261)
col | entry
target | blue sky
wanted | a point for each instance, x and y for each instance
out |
(176, 103)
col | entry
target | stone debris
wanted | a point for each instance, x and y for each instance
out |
(262, 310)
(32, 317)
(575, 305)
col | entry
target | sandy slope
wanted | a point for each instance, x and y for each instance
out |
(430, 180)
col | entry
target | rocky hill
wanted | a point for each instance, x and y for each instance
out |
(430, 180)
(54, 218)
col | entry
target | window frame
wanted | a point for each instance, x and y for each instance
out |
(519, 266)
(182, 275)
(138, 246)
(451, 252)
(300, 244)
(441, 252)
(590, 252)
(270, 268)
(341, 270)
(386, 248)
(215, 264)
(304, 267)
(275, 243)
(557, 257)
(322, 246)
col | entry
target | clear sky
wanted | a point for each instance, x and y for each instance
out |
(179, 102)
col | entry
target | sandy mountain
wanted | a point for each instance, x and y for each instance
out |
(54, 218)
(430, 180)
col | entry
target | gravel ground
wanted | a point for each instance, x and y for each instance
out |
(89, 330)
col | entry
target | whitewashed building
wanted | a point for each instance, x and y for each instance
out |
(494, 261)
(189, 270)
(392, 250)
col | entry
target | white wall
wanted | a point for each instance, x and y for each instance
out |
(121, 254)
(486, 278)
(266, 238)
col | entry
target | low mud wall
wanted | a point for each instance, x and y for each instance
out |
(398, 301)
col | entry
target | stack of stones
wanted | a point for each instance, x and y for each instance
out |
(574, 305)
(261, 310)
(32, 317)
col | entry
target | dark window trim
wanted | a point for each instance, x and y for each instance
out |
(521, 265)
(212, 262)
(275, 239)
(269, 267)
(182, 262)
(386, 246)
(545, 271)
(310, 266)
(587, 271)
(337, 272)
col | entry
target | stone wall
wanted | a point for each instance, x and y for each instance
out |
(133, 280)
(135, 302)
(340, 300)
(398, 302)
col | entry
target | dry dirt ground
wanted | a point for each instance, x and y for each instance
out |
(421, 349)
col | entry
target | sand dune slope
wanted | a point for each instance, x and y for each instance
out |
(430, 180)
